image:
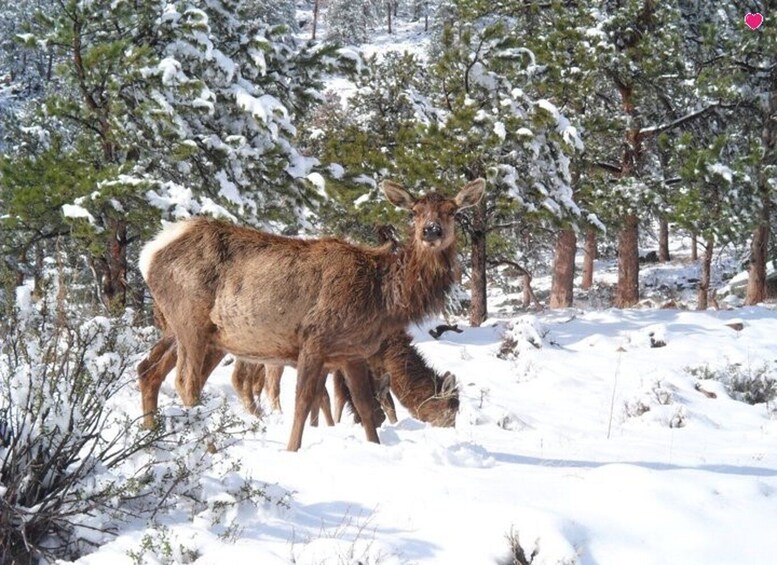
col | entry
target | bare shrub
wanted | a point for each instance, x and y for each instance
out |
(59, 433)
(517, 555)
(73, 465)
(753, 385)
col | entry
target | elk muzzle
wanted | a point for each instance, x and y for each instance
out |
(432, 232)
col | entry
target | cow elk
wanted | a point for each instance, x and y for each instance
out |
(316, 304)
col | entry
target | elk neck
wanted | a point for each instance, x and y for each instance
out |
(416, 281)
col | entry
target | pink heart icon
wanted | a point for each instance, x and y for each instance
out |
(754, 21)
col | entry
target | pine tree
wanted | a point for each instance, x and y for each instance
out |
(349, 21)
(727, 162)
(619, 68)
(489, 124)
(463, 116)
(176, 109)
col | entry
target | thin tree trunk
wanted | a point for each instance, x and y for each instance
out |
(706, 269)
(389, 17)
(315, 18)
(561, 290)
(694, 246)
(527, 291)
(756, 282)
(628, 263)
(114, 282)
(628, 240)
(663, 240)
(478, 311)
(589, 254)
(37, 274)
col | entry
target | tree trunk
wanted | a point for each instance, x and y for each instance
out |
(114, 277)
(478, 309)
(389, 17)
(706, 268)
(694, 250)
(315, 18)
(663, 240)
(589, 254)
(756, 282)
(563, 270)
(628, 239)
(628, 263)
(527, 291)
(38, 275)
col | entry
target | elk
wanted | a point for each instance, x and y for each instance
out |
(428, 396)
(316, 304)
(250, 379)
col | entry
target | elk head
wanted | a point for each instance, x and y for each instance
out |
(433, 214)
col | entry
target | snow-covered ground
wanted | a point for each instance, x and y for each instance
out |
(592, 448)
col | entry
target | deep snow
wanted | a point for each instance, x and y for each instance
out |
(530, 455)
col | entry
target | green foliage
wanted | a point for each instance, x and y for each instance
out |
(468, 112)
(161, 111)
(349, 21)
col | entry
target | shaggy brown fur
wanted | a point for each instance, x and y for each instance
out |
(250, 379)
(397, 366)
(314, 304)
(383, 406)
(428, 396)
(254, 376)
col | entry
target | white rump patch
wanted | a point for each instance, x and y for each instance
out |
(169, 233)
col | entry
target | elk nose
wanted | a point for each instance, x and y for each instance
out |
(432, 231)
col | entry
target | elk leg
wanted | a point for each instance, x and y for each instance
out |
(360, 384)
(212, 360)
(309, 369)
(321, 404)
(341, 393)
(314, 408)
(326, 406)
(196, 361)
(151, 374)
(247, 379)
(383, 394)
(387, 402)
(197, 368)
(273, 386)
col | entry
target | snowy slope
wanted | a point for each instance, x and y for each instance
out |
(530, 455)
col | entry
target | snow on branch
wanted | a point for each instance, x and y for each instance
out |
(644, 132)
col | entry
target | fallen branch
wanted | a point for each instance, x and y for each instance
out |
(442, 328)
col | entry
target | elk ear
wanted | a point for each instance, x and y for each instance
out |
(470, 194)
(397, 195)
